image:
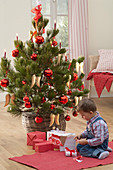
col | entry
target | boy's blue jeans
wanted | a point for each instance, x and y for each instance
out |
(92, 151)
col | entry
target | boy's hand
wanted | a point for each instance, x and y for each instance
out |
(82, 142)
(78, 137)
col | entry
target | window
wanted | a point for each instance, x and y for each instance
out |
(56, 10)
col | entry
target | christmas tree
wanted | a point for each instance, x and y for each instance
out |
(43, 81)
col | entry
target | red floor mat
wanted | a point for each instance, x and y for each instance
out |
(56, 160)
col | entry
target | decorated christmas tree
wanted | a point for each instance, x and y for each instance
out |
(43, 83)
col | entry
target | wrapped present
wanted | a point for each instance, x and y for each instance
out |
(69, 152)
(55, 139)
(63, 140)
(37, 141)
(44, 146)
(35, 135)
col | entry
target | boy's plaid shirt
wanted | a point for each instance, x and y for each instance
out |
(99, 130)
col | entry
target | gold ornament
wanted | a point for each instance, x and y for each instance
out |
(12, 99)
(59, 58)
(68, 83)
(52, 118)
(7, 97)
(57, 119)
(38, 81)
(33, 80)
(77, 67)
(82, 67)
(76, 100)
(80, 98)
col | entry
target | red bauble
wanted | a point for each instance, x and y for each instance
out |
(63, 99)
(75, 113)
(34, 57)
(43, 99)
(52, 106)
(4, 82)
(23, 82)
(67, 117)
(69, 92)
(48, 73)
(39, 39)
(15, 53)
(26, 99)
(28, 104)
(38, 119)
(54, 43)
(71, 106)
(75, 77)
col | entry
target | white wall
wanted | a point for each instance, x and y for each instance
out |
(100, 25)
(15, 17)
(100, 32)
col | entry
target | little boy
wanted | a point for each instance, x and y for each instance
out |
(96, 135)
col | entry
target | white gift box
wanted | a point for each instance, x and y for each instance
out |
(49, 133)
(69, 142)
(69, 152)
(67, 139)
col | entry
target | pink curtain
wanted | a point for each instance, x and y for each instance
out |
(78, 30)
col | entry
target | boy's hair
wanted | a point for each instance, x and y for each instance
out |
(86, 105)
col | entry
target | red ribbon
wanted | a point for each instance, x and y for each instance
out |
(71, 151)
(69, 66)
(6, 73)
(56, 140)
(34, 33)
(37, 11)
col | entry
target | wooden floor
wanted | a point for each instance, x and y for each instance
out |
(13, 137)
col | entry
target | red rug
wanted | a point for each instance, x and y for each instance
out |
(55, 160)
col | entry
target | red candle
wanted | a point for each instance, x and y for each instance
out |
(5, 53)
(54, 24)
(17, 37)
(60, 44)
(65, 57)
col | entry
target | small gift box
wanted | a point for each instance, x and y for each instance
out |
(63, 140)
(44, 146)
(37, 141)
(35, 135)
(69, 141)
(55, 139)
(69, 152)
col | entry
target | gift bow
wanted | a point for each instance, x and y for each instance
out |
(71, 151)
(37, 11)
